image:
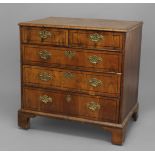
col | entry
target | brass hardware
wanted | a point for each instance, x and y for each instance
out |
(44, 34)
(44, 76)
(95, 59)
(119, 73)
(68, 98)
(46, 99)
(96, 37)
(93, 106)
(95, 82)
(44, 54)
(68, 75)
(69, 54)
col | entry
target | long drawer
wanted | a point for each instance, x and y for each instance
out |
(84, 59)
(71, 104)
(61, 78)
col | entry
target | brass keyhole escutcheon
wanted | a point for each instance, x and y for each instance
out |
(69, 54)
(69, 75)
(68, 98)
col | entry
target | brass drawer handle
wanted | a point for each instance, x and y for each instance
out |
(96, 37)
(44, 55)
(69, 75)
(94, 59)
(93, 106)
(95, 82)
(68, 98)
(69, 54)
(44, 34)
(45, 99)
(44, 76)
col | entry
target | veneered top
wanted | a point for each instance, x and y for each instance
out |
(83, 23)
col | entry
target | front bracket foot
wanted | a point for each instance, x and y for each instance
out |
(24, 119)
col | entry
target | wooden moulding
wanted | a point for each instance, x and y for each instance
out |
(117, 130)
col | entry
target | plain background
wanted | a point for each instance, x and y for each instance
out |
(48, 134)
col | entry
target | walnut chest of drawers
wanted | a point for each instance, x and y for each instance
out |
(84, 70)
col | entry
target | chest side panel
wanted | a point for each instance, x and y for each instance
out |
(131, 71)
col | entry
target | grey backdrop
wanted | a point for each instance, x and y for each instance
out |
(47, 134)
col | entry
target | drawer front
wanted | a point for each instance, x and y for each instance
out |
(103, 83)
(47, 36)
(92, 60)
(84, 106)
(95, 39)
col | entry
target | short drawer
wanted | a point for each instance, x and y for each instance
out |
(71, 104)
(96, 39)
(44, 36)
(82, 59)
(69, 79)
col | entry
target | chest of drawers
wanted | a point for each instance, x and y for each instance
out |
(84, 70)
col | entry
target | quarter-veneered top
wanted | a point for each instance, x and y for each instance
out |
(83, 23)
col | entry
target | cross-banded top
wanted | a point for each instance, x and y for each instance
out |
(83, 23)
